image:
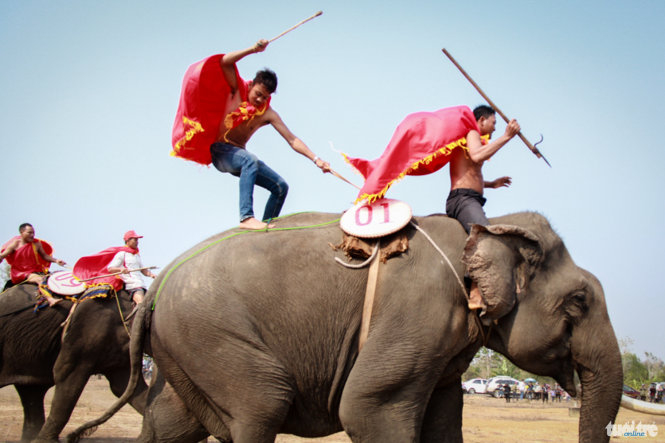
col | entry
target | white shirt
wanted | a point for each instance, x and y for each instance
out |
(123, 259)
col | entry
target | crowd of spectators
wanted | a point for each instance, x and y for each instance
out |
(653, 392)
(535, 391)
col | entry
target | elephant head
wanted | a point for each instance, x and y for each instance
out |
(546, 314)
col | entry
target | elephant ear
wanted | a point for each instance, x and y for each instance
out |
(501, 259)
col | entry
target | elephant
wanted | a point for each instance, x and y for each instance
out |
(34, 355)
(257, 333)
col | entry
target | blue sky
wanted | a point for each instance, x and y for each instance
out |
(90, 88)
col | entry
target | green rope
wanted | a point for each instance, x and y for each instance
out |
(235, 234)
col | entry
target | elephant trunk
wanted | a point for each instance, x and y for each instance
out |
(601, 376)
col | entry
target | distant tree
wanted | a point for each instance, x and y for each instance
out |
(655, 367)
(625, 344)
(487, 364)
(635, 373)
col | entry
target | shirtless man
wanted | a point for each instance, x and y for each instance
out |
(229, 153)
(465, 201)
(27, 258)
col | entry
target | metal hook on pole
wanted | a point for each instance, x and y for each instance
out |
(489, 101)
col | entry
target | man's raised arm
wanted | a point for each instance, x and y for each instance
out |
(232, 58)
(479, 152)
(9, 249)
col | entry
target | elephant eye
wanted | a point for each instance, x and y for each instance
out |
(579, 297)
(577, 305)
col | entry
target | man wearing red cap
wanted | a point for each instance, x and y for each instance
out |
(127, 259)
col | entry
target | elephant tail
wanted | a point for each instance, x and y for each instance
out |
(136, 340)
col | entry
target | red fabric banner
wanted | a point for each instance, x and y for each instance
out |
(26, 260)
(204, 103)
(422, 144)
(97, 264)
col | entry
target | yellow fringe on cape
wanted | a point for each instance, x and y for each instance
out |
(195, 128)
(445, 150)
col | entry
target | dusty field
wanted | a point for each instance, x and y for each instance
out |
(486, 420)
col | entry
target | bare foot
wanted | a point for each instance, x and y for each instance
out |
(254, 224)
(475, 298)
(53, 301)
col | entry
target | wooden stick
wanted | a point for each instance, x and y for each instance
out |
(295, 26)
(116, 273)
(342, 178)
(338, 175)
(475, 85)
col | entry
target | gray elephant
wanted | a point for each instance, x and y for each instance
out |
(34, 355)
(256, 333)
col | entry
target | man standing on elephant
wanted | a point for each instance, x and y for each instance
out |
(423, 143)
(233, 110)
(29, 258)
(465, 201)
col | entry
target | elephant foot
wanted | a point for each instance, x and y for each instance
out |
(52, 300)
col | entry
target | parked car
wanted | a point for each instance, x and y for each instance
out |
(475, 386)
(630, 392)
(495, 385)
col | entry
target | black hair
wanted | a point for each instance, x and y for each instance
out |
(23, 226)
(267, 78)
(483, 111)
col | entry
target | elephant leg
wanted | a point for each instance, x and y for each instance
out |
(443, 417)
(382, 403)
(230, 404)
(166, 418)
(68, 389)
(32, 400)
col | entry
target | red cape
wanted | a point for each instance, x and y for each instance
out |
(97, 264)
(203, 105)
(26, 260)
(422, 144)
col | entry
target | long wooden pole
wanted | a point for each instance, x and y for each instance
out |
(339, 176)
(117, 273)
(295, 26)
(336, 174)
(491, 103)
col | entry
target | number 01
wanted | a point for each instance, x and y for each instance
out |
(386, 214)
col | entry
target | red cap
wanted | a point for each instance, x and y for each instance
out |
(131, 234)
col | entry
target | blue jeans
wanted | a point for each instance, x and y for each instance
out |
(251, 171)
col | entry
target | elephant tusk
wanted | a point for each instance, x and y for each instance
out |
(642, 406)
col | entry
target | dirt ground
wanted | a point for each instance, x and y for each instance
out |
(486, 420)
